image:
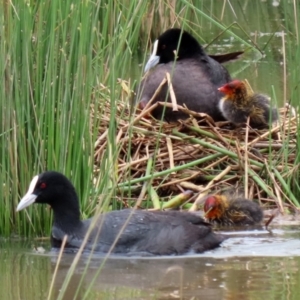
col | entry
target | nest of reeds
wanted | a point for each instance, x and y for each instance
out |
(195, 156)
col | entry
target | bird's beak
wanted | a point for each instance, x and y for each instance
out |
(30, 197)
(154, 59)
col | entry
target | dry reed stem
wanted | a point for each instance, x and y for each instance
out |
(246, 154)
(172, 93)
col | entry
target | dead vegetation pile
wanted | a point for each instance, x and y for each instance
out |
(159, 161)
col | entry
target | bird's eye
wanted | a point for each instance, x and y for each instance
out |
(163, 47)
(43, 185)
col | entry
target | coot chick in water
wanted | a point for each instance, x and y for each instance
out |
(224, 211)
(240, 102)
(195, 76)
(146, 233)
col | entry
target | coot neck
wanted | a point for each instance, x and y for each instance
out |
(66, 211)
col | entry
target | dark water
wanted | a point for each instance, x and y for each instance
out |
(248, 265)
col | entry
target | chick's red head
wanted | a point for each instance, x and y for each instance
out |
(212, 207)
(232, 87)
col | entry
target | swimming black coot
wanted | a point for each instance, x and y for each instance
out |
(236, 211)
(146, 233)
(195, 76)
(240, 102)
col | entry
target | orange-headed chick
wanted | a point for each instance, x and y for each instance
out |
(235, 212)
(240, 102)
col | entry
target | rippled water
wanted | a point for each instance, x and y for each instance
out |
(249, 264)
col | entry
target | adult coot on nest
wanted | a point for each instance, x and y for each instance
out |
(240, 102)
(234, 211)
(143, 232)
(195, 76)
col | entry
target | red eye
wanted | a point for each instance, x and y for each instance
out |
(43, 185)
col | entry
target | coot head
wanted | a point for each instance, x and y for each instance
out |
(213, 207)
(173, 44)
(55, 189)
(232, 88)
(50, 188)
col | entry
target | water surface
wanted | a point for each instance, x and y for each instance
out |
(248, 265)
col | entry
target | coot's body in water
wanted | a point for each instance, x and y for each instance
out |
(146, 233)
(235, 211)
(240, 102)
(195, 76)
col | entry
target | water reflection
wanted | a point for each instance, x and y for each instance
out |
(146, 279)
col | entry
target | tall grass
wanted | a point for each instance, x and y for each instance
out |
(55, 55)
(292, 51)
